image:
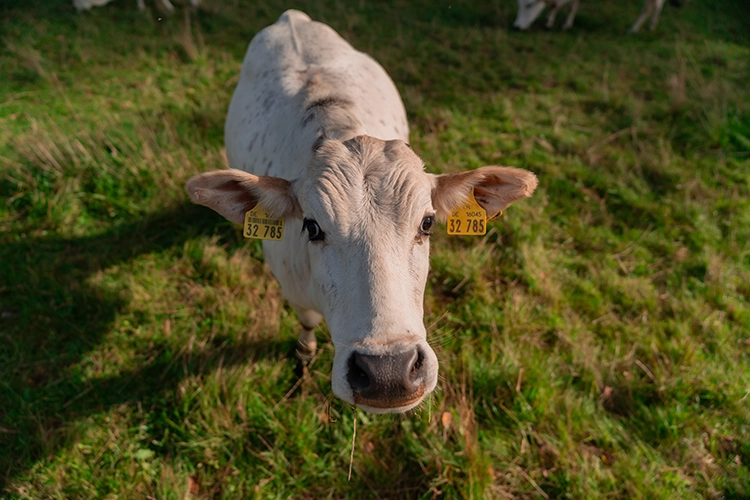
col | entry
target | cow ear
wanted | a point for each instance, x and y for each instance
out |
(495, 188)
(234, 192)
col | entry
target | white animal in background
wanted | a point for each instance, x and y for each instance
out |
(529, 10)
(166, 4)
(316, 132)
(652, 9)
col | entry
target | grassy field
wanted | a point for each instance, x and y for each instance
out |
(594, 344)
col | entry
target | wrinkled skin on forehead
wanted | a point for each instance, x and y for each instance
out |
(364, 181)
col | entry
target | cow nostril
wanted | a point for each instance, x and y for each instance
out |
(358, 378)
(416, 367)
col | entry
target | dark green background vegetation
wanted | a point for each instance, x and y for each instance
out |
(594, 344)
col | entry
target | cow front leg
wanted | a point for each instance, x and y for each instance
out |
(167, 6)
(553, 14)
(307, 344)
(571, 16)
(648, 7)
(655, 15)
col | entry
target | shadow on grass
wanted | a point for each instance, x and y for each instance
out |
(51, 317)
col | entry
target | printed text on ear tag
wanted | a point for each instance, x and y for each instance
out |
(468, 219)
(259, 226)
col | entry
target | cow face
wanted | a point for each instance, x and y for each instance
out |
(360, 220)
(528, 11)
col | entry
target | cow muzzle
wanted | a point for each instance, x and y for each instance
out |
(388, 381)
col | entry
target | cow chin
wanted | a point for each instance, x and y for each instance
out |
(402, 406)
(394, 378)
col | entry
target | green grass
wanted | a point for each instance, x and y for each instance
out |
(596, 343)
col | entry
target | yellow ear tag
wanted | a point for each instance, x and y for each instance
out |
(468, 219)
(259, 226)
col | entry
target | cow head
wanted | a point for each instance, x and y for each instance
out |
(528, 11)
(359, 217)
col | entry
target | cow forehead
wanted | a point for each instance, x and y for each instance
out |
(365, 179)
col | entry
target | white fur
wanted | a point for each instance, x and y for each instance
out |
(323, 131)
(166, 4)
(651, 8)
(529, 10)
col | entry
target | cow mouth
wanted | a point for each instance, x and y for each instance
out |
(390, 404)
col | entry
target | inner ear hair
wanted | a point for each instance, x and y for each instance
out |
(231, 193)
(495, 188)
(499, 187)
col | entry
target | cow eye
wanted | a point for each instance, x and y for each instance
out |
(314, 232)
(426, 225)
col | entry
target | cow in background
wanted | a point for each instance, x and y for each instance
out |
(529, 10)
(166, 4)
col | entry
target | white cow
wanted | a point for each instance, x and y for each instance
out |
(529, 10)
(166, 4)
(316, 132)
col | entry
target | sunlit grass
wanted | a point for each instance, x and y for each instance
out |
(594, 344)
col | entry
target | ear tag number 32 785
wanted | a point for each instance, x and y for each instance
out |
(468, 219)
(259, 226)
